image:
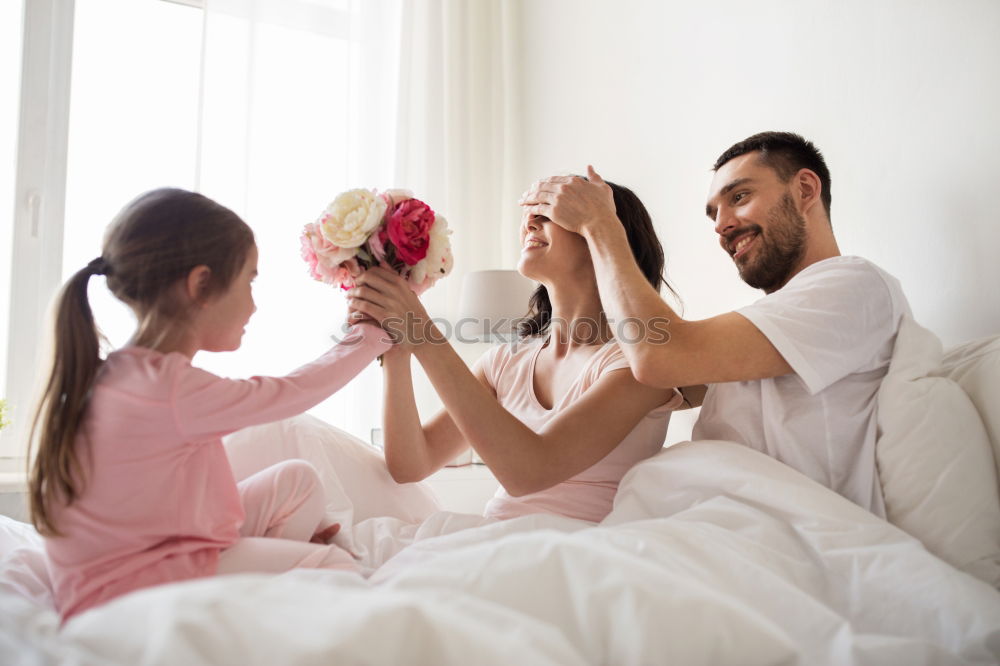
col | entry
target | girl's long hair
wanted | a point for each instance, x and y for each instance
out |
(151, 245)
(646, 248)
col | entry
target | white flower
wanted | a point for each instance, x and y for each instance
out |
(351, 217)
(439, 260)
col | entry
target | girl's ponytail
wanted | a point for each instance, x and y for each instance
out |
(57, 473)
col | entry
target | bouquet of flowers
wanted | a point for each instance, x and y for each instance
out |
(364, 228)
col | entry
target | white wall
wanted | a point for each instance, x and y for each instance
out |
(902, 96)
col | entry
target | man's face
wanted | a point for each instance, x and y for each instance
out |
(757, 222)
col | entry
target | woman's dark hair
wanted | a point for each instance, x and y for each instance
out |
(646, 249)
(150, 246)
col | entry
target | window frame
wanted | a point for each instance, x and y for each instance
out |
(39, 202)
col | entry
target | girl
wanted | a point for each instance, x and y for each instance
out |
(559, 418)
(131, 486)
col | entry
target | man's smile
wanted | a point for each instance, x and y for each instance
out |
(738, 245)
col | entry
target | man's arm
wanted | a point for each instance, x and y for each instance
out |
(663, 349)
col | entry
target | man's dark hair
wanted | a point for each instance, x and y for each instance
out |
(786, 153)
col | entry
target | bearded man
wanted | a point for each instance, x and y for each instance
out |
(794, 375)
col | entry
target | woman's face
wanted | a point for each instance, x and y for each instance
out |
(548, 251)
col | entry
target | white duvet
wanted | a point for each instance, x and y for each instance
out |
(714, 554)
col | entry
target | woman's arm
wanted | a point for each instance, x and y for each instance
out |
(413, 451)
(525, 461)
(522, 460)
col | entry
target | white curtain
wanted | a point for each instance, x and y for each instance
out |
(298, 103)
(458, 125)
(302, 99)
(457, 140)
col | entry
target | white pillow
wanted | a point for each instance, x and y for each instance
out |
(935, 459)
(23, 569)
(976, 367)
(355, 479)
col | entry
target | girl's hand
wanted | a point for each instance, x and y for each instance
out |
(387, 298)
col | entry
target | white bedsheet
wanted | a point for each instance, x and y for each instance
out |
(714, 554)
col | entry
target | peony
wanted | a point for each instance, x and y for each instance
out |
(376, 248)
(351, 217)
(408, 228)
(321, 255)
(375, 245)
(346, 272)
(364, 228)
(438, 261)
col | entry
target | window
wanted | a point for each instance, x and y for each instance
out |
(253, 111)
(132, 125)
(274, 147)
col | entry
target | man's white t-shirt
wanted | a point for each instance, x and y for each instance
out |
(835, 323)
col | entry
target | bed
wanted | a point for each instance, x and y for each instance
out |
(713, 554)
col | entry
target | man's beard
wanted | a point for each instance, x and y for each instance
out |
(779, 248)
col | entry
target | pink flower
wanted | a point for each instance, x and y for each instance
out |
(408, 228)
(376, 247)
(323, 257)
(346, 272)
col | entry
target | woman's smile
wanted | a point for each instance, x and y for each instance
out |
(533, 243)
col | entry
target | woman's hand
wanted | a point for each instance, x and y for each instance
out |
(385, 297)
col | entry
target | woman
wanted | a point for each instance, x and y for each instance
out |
(558, 417)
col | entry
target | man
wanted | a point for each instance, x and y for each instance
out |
(795, 374)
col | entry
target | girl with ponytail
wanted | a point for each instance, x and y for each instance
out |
(130, 485)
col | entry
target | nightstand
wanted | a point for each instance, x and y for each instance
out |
(464, 489)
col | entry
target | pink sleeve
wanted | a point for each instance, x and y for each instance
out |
(494, 362)
(614, 359)
(207, 406)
